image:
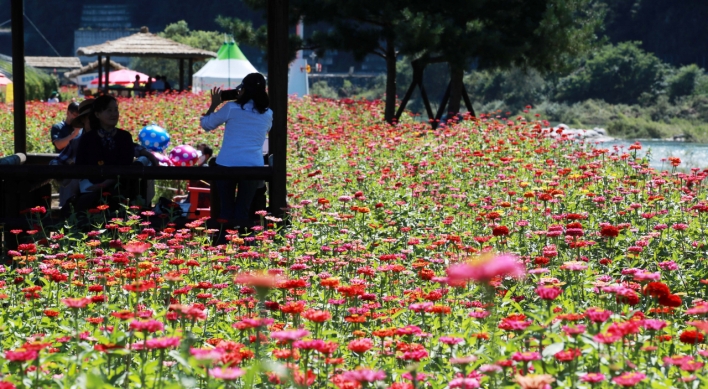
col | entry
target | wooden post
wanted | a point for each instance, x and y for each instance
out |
(189, 73)
(441, 108)
(18, 75)
(468, 102)
(181, 74)
(108, 70)
(100, 74)
(278, 93)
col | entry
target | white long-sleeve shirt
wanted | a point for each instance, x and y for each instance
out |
(245, 133)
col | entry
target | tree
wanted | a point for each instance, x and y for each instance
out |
(618, 74)
(540, 34)
(382, 28)
(674, 31)
(179, 32)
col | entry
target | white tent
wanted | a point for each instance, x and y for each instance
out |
(225, 71)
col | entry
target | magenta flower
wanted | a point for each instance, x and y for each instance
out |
(526, 356)
(484, 269)
(162, 343)
(147, 326)
(464, 383)
(449, 340)
(654, 324)
(207, 354)
(76, 303)
(289, 335)
(226, 373)
(592, 378)
(629, 378)
(364, 375)
(136, 247)
(548, 292)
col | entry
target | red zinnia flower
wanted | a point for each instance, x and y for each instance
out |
(670, 300)
(500, 231)
(657, 289)
(360, 345)
(691, 337)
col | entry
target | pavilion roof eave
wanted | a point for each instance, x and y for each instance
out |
(144, 55)
(145, 44)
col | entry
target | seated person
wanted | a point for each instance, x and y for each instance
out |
(106, 145)
(68, 188)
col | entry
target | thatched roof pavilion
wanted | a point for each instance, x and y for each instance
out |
(145, 44)
(53, 62)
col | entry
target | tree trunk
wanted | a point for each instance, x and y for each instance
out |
(456, 74)
(390, 110)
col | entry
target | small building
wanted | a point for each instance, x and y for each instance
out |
(84, 75)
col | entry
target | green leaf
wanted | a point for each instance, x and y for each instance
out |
(553, 349)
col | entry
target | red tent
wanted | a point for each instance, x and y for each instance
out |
(123, 77)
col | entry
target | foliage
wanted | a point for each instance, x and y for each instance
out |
(617, 74)
(38, 84)
(179, 32)
(671, 30)
(385, 29)
(322, 89)
(378, 268)
(684, 81)
(516, 87)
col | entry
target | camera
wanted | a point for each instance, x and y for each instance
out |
(231, 94)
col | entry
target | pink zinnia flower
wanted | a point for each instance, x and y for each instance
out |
(653, 324)
(692, 366)
(207, 354)
(364, 375)
(479, 314)
(484, 269)
(526, 356)
(136, 247)
(548, 292)
(289, 335)
(226, 373)
(575, 330)
(147, 326)
(312, 344)
(21, 355)
(607, 338)
(592, 378)
(450, 340)
(629, 378)
(597, 315)
(162, 343)
(76, 303)
(464, 383)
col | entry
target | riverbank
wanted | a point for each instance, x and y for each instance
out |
(685, 118)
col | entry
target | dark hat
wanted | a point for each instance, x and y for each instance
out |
(254, 81)
(85, 108)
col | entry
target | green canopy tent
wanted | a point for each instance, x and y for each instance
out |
(225, 71)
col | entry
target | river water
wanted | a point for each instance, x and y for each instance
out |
(691, 154)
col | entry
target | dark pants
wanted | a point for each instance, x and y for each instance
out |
(129, 188)
(236, 209)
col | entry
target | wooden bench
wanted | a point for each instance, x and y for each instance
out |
(26, 185)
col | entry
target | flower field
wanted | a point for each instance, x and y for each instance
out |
(483, 254)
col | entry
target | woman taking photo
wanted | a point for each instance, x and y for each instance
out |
(248, 121)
